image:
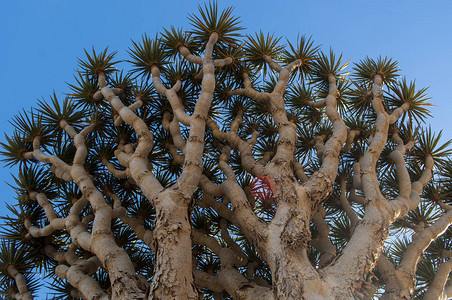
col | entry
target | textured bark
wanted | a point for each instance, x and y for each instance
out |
(173, 277)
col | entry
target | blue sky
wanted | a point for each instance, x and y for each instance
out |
(41, 41)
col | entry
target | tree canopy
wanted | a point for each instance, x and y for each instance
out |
(218, 164)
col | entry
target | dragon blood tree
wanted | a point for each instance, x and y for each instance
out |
(218, 165)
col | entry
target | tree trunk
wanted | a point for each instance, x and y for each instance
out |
(295, 278)
(173, 277)
(293, 275)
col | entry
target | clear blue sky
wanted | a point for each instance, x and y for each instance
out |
(41, 41)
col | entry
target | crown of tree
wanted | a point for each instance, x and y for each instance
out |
(229, 166)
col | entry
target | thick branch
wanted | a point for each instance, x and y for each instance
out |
(323, 243)
(351, 214)
(362, 251)
(255, 229)
(421, 241)
(139, 169)
(398, 112)
(287, 130)
(402, 205)
(241, 288)
(89, 287)
(208, 281)
(21, 282)
(194, 148)
(197, 60)
(271, 63)
(320, 183)
(171, 95)
(249, 91)
(246, 156)
(437, 286)
(136, 224)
